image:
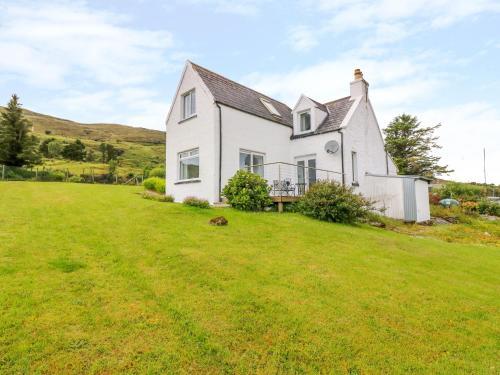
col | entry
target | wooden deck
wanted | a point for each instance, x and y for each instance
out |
(280, 199)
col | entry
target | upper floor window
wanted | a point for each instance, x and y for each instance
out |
(305, 121)
(188, 104)
(252, 162)
(189, 164)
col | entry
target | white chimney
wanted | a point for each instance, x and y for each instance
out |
(359, 87)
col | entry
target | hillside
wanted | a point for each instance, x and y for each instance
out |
(141, 147)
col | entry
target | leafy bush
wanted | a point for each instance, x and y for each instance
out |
(157, 172)
(157, 197)
(461, 191)
(76, 179)
(196, 202)
(155, 183)
(331, 201)
(486, 207)
(247, 191)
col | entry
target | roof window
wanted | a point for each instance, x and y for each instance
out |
(270, 107)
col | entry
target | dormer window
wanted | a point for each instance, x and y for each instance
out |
(188, 104)
(305, 121)
(270, 107)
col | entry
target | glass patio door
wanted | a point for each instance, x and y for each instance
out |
(306, 173)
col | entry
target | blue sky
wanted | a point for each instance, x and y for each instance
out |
(120, 60)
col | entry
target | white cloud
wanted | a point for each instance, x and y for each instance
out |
(399, 80)
(49, 43)
(302, 38)
(143, 107)
(466, 130)
(240, 7)
(390, 21)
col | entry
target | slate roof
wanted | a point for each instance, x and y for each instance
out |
(337, 111)
(235, 95)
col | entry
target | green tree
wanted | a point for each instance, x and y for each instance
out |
(411, 147)
(54, 149)
(74, 151)
(17, 146)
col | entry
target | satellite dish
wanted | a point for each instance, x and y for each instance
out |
(331, 147)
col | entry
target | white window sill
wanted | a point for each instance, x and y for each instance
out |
(190, 181)
(187, 118)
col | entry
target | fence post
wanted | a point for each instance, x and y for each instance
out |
(3, 172)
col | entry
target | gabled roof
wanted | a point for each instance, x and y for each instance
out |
(337, 110)
(235, 95)
(319, 105)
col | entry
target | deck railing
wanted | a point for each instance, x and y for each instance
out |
(287, 179)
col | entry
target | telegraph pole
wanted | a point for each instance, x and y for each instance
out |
(484, 164)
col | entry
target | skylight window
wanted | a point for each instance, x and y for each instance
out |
(270, 107)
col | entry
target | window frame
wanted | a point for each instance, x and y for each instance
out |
(354, 168)
(252, 164)
(191, 94)
(300, 114)
(189, 156)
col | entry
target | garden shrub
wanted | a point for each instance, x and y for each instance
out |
(486, 207)
(155, 183)
(157, 172)
(196, 202)
(462, 191)
(331, 201)
(247, 191)
(157, 197)
(76, 179)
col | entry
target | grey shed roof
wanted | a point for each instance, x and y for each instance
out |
(235, 95)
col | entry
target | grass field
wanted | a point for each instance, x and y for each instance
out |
(95, 279)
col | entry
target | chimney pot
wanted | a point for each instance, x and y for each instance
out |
(358, 74)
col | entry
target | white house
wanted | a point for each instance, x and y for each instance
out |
(216, 126)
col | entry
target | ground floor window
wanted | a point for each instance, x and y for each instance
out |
(252, 162)
(189, 164)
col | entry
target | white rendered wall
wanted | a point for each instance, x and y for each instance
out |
(362, 135)
(198, 132)
(242, 131)
(387, 192)
(422, 197)
(315, 145)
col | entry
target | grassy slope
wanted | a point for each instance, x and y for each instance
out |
(142, 146)
(96, 279)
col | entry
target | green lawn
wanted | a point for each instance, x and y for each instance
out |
(95, 279)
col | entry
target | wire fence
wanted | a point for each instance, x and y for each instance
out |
(287, 179)
(88, 175)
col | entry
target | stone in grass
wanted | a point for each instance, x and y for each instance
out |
(219, 220)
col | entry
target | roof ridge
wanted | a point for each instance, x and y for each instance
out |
(336, 100)
(239, 84)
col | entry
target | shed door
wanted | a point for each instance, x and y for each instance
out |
(410, 199)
